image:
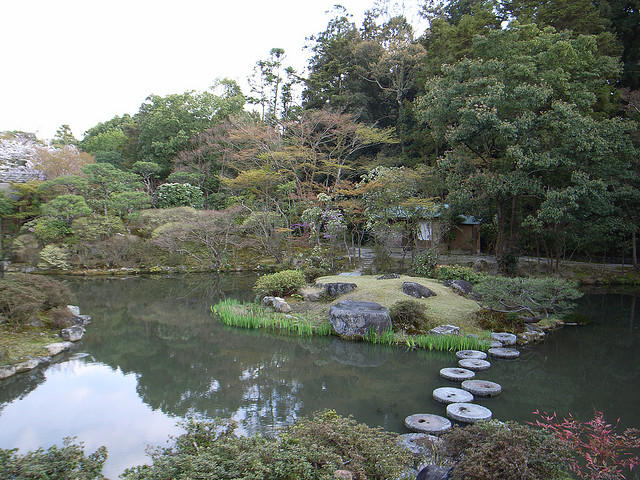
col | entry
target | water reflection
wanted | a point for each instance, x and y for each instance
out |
(157, 355)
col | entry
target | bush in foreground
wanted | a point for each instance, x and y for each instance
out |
(280, 283)
(311, 449)
(505, 451)
(68, 462)
(410, 316)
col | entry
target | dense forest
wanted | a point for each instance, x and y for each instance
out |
(522, 113)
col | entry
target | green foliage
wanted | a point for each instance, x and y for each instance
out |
(458, 272)
(499, 321)
(66, 208)
(442, 343)
(148, 220)
(312, 272)
(248, 315)
(126, 204)
(505, 451)
(53, 256)
(177, 195)
(95, 227)
(48, 230)
(65, 463)
(280, 283)
(424, 263)
(22, 296)
(531, 299)
(310, 450)
(410, 316)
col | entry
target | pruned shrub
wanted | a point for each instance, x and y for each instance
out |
(499, 321)
(55, 463)
(23, 296)
(531, 299)
(410, 316)
(311, 273)
(53, 256)
(505, 451)
(458, 272)
(95, 228)
(148, 220)
(280, 283)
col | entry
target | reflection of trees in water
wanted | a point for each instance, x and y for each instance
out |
(579, 369)
(19, 386)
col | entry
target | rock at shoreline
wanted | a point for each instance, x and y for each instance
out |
(59, 347)
(416, 290)
(7, 371)
(75, 310)
(356, 319)
(335, 289)
(445, 330)
(72, 334)
(82, 320)
(278, 304)
(27, 365)
(461, 287)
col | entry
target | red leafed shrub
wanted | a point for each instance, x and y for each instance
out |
(602, 453)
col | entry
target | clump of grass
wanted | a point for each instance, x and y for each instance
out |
(384, 338)
(441, 343)
(250, 315)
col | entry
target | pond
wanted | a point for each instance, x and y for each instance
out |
(154, 355)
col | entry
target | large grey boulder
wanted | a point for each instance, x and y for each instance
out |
(459, 286)
(335, 289)
(27, 365)
(416, 290)
(350, 318)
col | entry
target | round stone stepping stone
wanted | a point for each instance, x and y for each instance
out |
(482, 388)
(471, 354)
(468, 412)
(509, 353)
(427, 423)
(457, 374)
(417, 443)
(474, 364)
(452, 395)
(506, 339)
(496, 344)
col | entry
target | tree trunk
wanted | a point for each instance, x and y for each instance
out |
(634, 250)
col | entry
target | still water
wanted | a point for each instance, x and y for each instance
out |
(154, 355)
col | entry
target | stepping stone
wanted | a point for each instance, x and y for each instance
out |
(482, 388)
(452, 395)
(506, 339)
(474, 364)
(457, 374)
(508, 353)
(496, 344)
(468, 412)
(427, 423)
(471, 354)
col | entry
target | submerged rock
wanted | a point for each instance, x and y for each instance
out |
(417, 290)
(351, 318)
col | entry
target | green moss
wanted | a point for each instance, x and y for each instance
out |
(18, 344)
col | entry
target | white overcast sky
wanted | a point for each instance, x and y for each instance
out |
(81, 62)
